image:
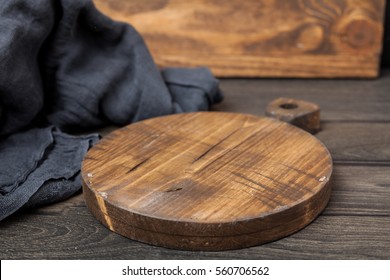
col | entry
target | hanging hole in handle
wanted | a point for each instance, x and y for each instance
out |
(288, 106)
(303, 114)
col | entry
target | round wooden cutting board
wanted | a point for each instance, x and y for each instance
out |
(207, 181)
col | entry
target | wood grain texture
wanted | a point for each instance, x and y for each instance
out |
(260, 38)
(207, 181)
(360, 191)
(358, 101)
(363, 143)
(354, 225)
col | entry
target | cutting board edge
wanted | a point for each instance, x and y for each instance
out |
(214, 243)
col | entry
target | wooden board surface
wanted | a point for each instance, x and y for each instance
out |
(260, 38)
(207, 181)
(354, 225)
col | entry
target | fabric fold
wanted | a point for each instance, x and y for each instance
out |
(59, 163)
(192, 89)
(20, 154)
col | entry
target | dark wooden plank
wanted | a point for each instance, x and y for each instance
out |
(335, 238)
(78, 235)
(360, 190)
(339, 100)
(359, 143)
(355, 225)
(361, 105)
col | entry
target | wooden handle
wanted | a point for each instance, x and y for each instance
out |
(303, 114)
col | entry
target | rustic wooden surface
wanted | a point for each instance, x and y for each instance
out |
(260, 38)
(355, 225)
(207, 181)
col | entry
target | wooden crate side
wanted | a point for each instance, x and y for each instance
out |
(260, 38)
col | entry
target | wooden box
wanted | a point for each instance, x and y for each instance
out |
(260, 38)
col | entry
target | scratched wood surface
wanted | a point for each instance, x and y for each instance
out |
(260, 38)
(207, 181)
(354, 225)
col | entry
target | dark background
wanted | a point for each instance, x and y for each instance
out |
(386, 41)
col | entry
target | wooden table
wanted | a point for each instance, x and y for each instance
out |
(355, 225)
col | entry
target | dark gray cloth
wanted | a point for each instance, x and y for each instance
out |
(66, 65)
(44, 173)
(191, 90)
